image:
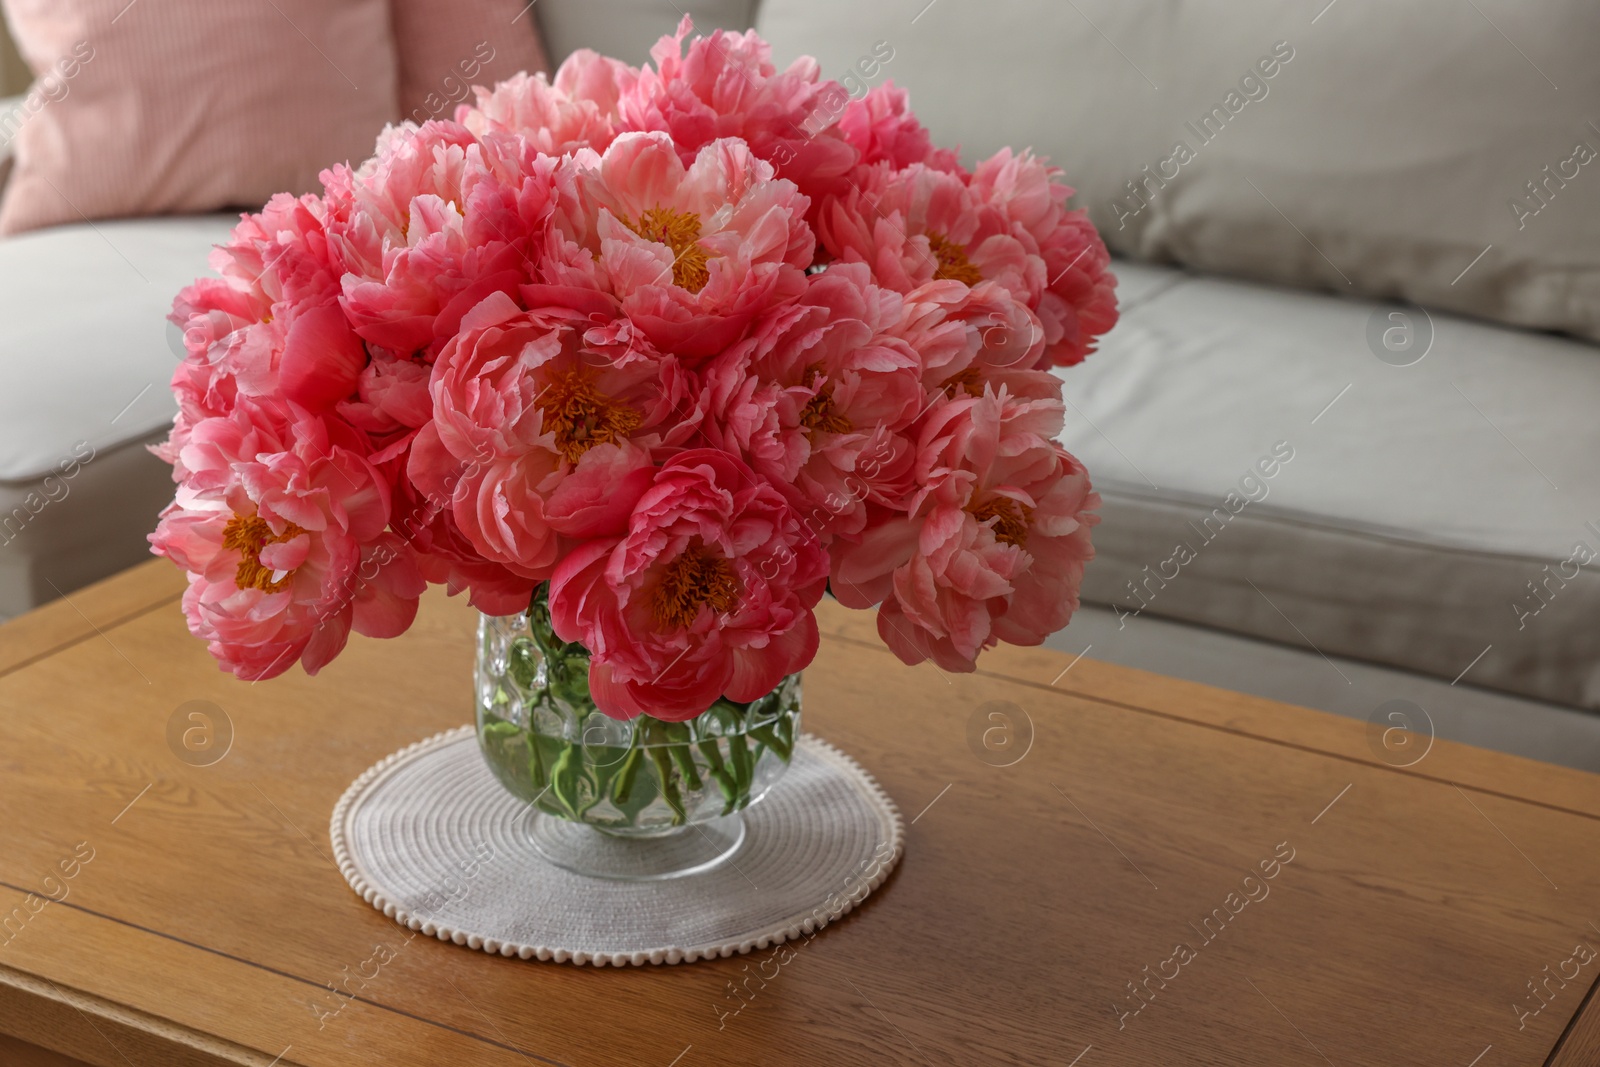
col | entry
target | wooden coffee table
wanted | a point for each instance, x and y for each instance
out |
(1163, 874)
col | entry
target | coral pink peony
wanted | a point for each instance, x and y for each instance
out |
(1079, 302)
(288, 553)
(917, 225)
(277, 269)
(817, 400)
(725, 85)
(995, 547)
(547, 438)
(708, 594)
(685, 342)
(695, 254)
(970, 338)
(553, 121)
(1007, 225)
(436, 222)
(882, 129)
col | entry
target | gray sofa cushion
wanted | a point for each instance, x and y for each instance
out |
(1429, 512)
(625, 29)
(86, 356)
(85, 348)
(1384, 153)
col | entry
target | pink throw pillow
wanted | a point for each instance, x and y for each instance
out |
(448, 46)
(176, 106)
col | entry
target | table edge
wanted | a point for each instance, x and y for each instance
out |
(151, 585)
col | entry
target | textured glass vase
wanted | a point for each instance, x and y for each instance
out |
(637, 799)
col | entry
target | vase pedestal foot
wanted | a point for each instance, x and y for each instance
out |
(594, 853)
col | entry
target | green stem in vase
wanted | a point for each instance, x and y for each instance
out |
(678, 734)
(564, 779)
(768, 735)
(786, 734)
(622, 785)
(669, 787)
(740, 763)
(719, 774)
(550, 745)
(536, 765)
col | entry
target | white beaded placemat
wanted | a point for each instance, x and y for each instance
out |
(429, 837)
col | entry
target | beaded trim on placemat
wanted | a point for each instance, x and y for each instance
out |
(430, 838)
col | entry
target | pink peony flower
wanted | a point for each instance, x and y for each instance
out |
(709, 593)
(587, 75)
(445, 557)
(279, 278)
(391, 396)
(552, 120)
(695, 254)
(817, 400)
(287, 551)
(725, 85)
(545, 437)
(1008, 225)
(882, 129)
(432, 225)
(995, 546)
(918, 225)
(970, 338)
(1079, 302)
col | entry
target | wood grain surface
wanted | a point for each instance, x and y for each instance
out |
(14, 1053)
(1118, 860)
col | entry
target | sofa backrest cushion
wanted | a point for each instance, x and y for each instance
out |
(1435, 151)
(625, 29)
(190, 105)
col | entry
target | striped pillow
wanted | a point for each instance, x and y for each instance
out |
(448, 46)
(179, 106)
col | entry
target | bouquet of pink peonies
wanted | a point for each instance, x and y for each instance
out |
(690, 344)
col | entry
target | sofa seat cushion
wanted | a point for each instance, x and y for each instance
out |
(1265, 471)
(86, 356)
(85, 348)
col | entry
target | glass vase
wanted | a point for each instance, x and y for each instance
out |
(638, 799)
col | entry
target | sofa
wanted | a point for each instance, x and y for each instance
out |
(1349, 406)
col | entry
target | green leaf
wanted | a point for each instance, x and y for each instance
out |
(522, 664)
(718, 771)
(601, 763)
(564, 779)
(678, 734)
(768, 736)
(669, 787)
(499, 729)
(742, 766)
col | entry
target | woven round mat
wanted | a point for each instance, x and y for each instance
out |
(429, 837)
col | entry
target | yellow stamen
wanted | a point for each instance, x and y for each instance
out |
(953, 264)
(581, 416)
(679, 231)
(969, 381)
(1012, 519)
(698, 577)
(820, 413)
(249, 534)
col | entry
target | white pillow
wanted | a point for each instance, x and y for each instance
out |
(1383, 155)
